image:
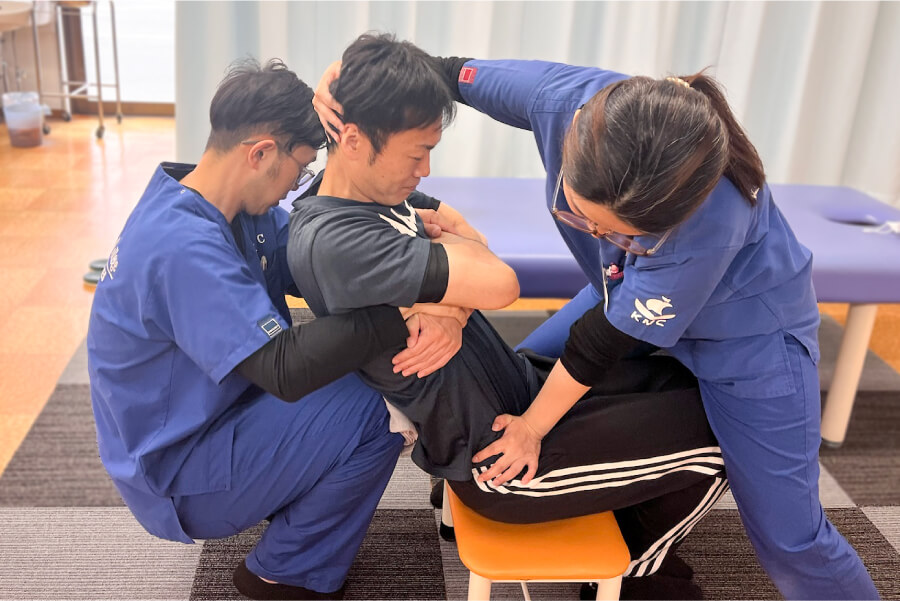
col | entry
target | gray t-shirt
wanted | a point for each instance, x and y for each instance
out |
(344, 255)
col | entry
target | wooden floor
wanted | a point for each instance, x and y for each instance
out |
(62, 205)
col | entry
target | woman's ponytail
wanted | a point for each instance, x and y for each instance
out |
(744, 169)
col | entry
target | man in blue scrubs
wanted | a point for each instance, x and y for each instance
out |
(192, 356)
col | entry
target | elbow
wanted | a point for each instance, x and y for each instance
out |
(506, 290)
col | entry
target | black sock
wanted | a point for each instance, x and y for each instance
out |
(675, 567)
(660, 586)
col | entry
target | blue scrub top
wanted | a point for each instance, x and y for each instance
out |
(724, 288)
(178, 306)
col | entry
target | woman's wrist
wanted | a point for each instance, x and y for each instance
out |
(534, 430)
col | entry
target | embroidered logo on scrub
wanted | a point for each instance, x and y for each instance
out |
(467, 74)
(652, 312)
(112, 263)
(270, 326)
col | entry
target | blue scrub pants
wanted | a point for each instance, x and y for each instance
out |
(319, 466)
(771, 452)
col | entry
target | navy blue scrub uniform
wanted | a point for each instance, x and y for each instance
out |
(730, 295)
(195, 450)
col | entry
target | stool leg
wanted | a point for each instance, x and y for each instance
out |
(847, 371)
(525, 592)
(479, 587)
(609, 589)
(446, 516)
(446, 529)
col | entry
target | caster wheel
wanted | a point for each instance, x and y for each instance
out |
(119, 118)
(100, 132)
(46, 129)
(66, 116)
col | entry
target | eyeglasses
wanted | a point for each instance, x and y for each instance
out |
(583, 224)
(306, 174)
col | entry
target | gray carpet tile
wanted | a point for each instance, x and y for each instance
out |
(879, 556)
(725, 565)
(399, 559)
(89, 553)
(76, 371)
(887, 520)
(58, 463)
(831, 494)
(408, 488)
(868, 464)
(301, 316)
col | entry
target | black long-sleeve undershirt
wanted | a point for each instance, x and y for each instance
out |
(594, 346)
(306, 357)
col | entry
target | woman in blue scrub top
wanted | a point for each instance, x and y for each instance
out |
(662, 199)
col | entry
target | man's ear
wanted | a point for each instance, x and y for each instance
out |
(353, 141)
(260, 151)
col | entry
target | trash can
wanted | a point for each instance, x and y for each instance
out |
(24, 118)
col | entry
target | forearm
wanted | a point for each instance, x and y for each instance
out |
(594, 346)
(559, 393)
(307, 357)
(459, 224)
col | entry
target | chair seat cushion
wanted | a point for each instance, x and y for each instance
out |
(583, 548)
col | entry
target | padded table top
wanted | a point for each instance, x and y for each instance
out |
(849, 265)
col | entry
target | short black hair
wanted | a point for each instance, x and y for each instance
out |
(386, 87)
(272, 98)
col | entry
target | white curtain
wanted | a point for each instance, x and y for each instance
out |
(816, 84)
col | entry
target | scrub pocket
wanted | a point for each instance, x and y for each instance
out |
(197, 467)
(754, 367)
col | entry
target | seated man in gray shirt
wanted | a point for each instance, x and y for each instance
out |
(362, 235)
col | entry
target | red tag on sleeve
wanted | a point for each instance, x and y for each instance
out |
(467, 74)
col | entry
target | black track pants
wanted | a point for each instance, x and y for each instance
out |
(639, 444)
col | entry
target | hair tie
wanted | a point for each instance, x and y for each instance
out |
(679, 81)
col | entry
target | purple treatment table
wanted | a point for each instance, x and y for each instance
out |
(849, 265)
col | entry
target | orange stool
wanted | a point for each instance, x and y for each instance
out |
(583, 549)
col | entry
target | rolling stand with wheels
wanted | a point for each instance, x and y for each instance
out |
(80, 89)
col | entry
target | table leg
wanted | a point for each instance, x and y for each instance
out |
(847, 371)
